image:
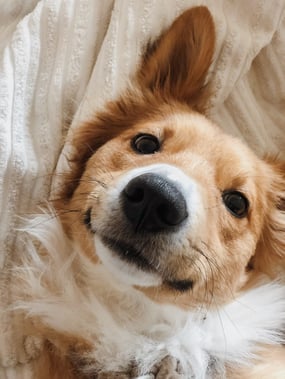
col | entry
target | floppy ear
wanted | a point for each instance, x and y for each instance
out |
(176, 64)
(270, 254)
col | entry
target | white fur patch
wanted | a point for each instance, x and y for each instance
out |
(72, 295)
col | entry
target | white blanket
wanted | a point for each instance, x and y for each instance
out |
(61, 59)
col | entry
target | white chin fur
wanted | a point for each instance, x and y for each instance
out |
(122, 324)
(126, 273)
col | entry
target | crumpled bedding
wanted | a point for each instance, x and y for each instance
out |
(60, 60)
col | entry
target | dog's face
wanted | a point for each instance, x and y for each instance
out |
(164, 199)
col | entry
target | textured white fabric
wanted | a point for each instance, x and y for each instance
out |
(61, 59)
(45, 65)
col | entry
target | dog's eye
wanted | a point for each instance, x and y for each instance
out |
(236, 203)
(145, 144)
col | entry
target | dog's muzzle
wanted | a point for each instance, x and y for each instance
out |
(145, 221)
(153, 203)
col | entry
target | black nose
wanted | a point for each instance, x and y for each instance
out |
(152, 203)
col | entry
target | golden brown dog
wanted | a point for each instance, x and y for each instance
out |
(168, 240)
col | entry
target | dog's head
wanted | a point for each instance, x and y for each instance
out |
(161, 196)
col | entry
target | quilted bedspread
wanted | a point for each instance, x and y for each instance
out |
(61, 59)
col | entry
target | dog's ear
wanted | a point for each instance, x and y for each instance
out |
(173, 68)
(176, 65)
(270, 254)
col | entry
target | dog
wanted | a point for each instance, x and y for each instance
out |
(165, 250)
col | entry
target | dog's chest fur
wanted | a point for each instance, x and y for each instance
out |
(125, 326)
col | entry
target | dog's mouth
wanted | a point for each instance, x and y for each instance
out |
(132, 256)
(128, 253)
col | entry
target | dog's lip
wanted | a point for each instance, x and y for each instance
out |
(131, 255)
(128, 253)
(180, 285)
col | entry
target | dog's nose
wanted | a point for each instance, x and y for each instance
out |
(153, 203)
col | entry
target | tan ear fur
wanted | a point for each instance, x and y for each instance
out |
(176, 64)
(270, 254)
(174, 68)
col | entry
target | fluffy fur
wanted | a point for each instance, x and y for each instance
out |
(70, 296)
(105, 297)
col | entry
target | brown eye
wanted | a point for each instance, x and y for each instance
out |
(145, 144)
(236, 203)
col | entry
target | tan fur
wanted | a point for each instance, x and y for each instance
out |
(53, 365)
(165, 67)
(170, 89)
(61, 356)
(270, 365)
(271, 247)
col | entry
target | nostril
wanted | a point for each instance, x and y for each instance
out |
(172, 214)
(134, 194)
